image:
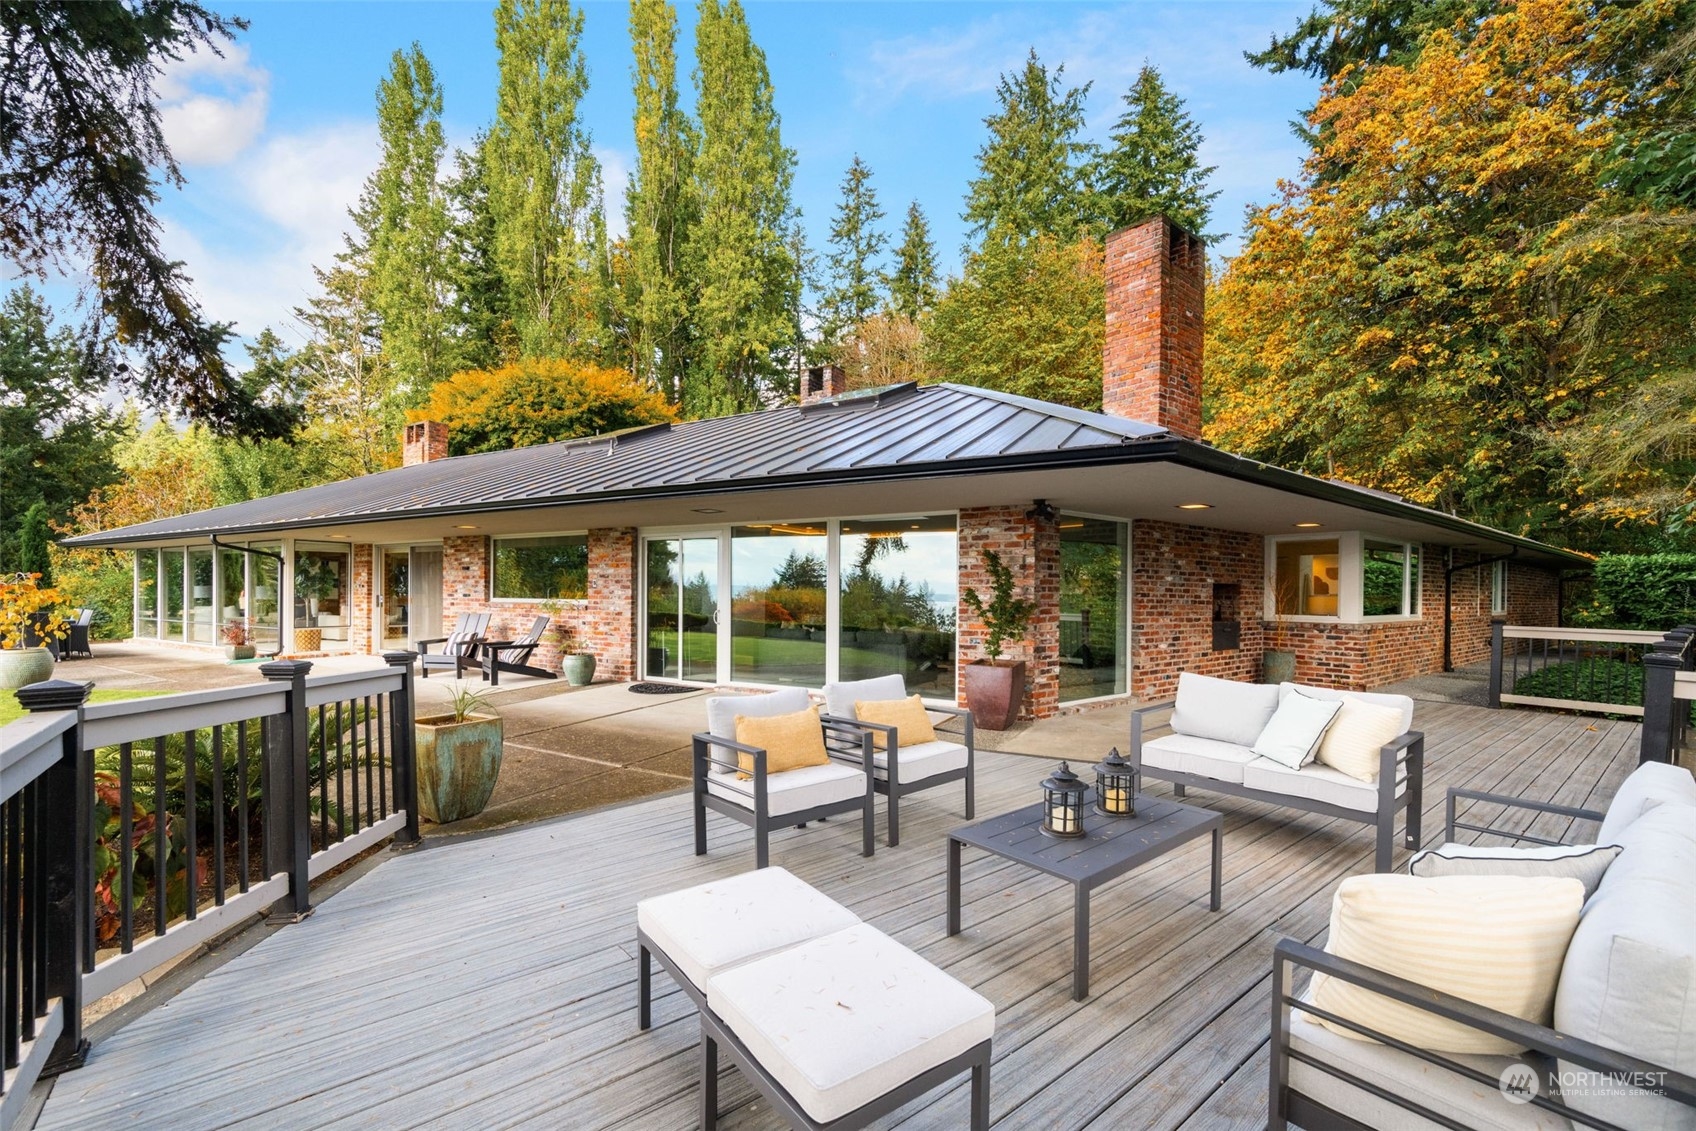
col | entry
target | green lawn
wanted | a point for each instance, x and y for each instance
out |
(10, 710)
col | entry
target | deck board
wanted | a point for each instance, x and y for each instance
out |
(491, 982)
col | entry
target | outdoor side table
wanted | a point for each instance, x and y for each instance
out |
(1109, 848)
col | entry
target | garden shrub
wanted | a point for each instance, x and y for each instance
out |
(1653, 592)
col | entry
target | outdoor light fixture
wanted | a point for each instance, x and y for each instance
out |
(1195, 506)
(1063, 803)
(1044, 510)
(707, 510)
(1308, 525)
(462, 527)
(1115, 786)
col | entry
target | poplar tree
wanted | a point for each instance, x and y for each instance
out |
(486, 339)
(1151, 169)
(738, 253)
(1031, 170)
(542, 178)
(913, 283)
(856, 245)
(404, 211)
(659, 206)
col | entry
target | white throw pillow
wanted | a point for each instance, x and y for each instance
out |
(1358, 735)
(1586, 863)
(1292, 737)
(1494, 940)
(1223, 709)
(1650, 785)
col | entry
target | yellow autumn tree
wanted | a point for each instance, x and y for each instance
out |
(539, 401)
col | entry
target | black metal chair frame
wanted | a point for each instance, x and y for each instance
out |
(895, 789)
(1410, 748)
(76, 642)
(469, 632)
(848, 743)
(490, 654)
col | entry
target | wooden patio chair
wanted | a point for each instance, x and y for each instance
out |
(497, 656)
(459, 647)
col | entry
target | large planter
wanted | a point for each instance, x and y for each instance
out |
(308, 640)
(995, 689)
(1278, 667)
(240, 651)
(20, 667)
(458, 765)
(578, 668)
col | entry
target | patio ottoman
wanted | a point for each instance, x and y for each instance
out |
(844, 1029)
(701, 931)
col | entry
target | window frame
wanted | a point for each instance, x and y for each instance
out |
(1351, 574)
(566, 602)
(1499, 588)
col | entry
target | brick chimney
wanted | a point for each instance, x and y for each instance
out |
(1152, 361)
(823, 381)
(423, 442)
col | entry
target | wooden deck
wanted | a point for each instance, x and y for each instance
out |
(491, 983)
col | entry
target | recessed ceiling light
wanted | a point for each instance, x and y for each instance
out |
(462, 527)
(708, 510)
(1308, 525)
(1195, 506)
(338, 535)
(916, 526)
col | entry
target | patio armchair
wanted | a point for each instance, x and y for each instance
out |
(899, 768)
(497, 656)
(76, 642)
(459, 647)
(764, 799)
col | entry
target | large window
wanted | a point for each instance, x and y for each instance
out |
(1307, 577)
(1092, 603)
(321, 597)
(171, 581)
(541, 569)
(899, 582)
(1389, 579)
(147, 592)
(778, 576)
(1349, 577)
(263, 610)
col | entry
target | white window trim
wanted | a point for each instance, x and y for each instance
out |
(1351, 561)
(567, 602)
(1498, 588)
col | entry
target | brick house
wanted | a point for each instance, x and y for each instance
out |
(833, 539)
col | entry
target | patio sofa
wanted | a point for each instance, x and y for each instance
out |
(1213, 726)
(1621, 1049)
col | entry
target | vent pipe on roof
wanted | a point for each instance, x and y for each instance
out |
(1151, 364)
(424, 441)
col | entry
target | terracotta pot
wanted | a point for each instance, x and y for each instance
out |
(578, 668)
(995, 690)
(20, 667)
(458, 765)
(1278, 667)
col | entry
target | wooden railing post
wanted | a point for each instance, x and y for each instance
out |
(403, 741)
(1497, 624)
(67, 858)
(1661, 666)
(288, 789)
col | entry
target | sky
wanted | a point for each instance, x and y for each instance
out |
(276, 138)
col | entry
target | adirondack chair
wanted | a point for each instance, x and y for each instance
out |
(497, 656)
(459, 648)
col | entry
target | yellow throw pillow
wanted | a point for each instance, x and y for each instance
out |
(790, 741)
(1356, 737)
(1495, 940)
(907, 716)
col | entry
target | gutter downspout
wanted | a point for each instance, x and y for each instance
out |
(1449, 571)
(282, 572)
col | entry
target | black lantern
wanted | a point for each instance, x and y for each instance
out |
(1063, 803)
(1115, 786)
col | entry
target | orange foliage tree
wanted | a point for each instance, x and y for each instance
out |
(539, 401)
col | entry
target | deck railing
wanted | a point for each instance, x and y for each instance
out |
(1669, 689)
(1597, 670)
(191, 813)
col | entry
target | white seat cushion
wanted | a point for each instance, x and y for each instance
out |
(1480, 1106)
(844, 1019)
(715, 926)
(1650, 785)
(1205, 757)
(925, 760)
(1223, 709)
(839, 698)
(794, 790)
(1317, 782)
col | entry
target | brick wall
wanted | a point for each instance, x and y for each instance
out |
(423, 442)
(361, 608)
(1151, 365)
(1173, 571)
(609, 624)
(1030, 547)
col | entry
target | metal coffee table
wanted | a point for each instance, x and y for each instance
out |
(1110, 847)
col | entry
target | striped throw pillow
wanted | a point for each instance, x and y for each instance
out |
(1356, 737)
(1495, 940)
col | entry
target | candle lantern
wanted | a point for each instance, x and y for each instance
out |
(1063, 803)
(1115, 786)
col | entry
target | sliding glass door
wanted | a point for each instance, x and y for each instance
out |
(682, 614)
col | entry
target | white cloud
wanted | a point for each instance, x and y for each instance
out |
(615, 178)
(212, 107)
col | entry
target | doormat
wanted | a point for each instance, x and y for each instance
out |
(661, 688)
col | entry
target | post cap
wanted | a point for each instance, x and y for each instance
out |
(284, 669)
(54, 695)
(400, 659)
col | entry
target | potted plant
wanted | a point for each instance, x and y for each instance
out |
(577, 667)
(1278, 661)
(459, 758)
(995, 688)
(29, 618)
(238, 640)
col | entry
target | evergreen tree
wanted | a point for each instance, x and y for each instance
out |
(1151, 167)
(1030, 172)
(913, 283)
(482, 323)
(659, 206)
(406, 212)
(856, 244)
(32, 541)
(542, 178)
(798, 352)
(738, 253)
(353, 415)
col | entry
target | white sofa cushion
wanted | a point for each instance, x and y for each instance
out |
(1480, 1106)
(717, 925)
(1650, 785)
(1355, 743)
(794, 790)
(1317, 782)
(1629, 979)
(925, 760)
(1494, 940)
(1291, 737)
(1204, 757)
(1586, 863)
(843, 1019)
(722, 712)
(839, 698)
(1402, 703)
(1223, 709)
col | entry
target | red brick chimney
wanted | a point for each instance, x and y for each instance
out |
(823, 381)
(1152, 361)
(423, 442)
